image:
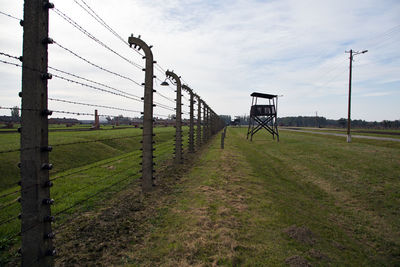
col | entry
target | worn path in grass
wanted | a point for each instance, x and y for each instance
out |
(345, 135)
(264, 203)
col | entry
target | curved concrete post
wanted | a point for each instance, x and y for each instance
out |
(147, 160)
(191, 119)
(178, 132)
(198, 130)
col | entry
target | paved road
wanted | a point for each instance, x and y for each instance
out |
(344, 135)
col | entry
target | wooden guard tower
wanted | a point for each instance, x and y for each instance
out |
(263, 116)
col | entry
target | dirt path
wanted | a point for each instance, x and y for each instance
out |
(344, 135)
(200, 226)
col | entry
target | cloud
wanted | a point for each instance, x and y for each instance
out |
(227, 49)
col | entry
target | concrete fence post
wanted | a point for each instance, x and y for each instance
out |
(147, 141)
(198, 129)
(222, 140)
(36, 230)
(178, 132)
(191, 119)
(209, 123)
(204, 123)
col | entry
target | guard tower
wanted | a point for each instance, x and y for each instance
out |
(263, 116)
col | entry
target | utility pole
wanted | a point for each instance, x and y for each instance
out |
(352, 54)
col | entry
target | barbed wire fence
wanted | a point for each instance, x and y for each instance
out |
(39, 189)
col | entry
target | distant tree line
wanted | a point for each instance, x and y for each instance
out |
(314, 121)
(226, 118)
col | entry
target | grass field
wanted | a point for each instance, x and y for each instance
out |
(308, 199)
(87, 164)
(390, 133)
(305, 200)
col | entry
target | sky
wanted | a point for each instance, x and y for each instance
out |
(223, 50)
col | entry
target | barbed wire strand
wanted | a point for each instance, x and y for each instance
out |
(92, 196)
(89, 184)
(94, 15)
(66, 221)
(165, 97)
(11, 16)
(10, 193)
(8, 220)
(88, 168)
(10, 56)
(67, 174)
(15, 201)
(76, 82)
(99, 89)
(91, 105)
(96, 65)
(64, 112)
(95, 82)
(91, 36)
(104, 24)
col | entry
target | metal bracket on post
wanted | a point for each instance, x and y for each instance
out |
(198, 130)
(36, 249)
(147, 146)
(178, 133)
(191, 120)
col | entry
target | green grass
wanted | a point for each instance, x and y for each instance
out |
(83, 170)
(343, 192)
(235, 205)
